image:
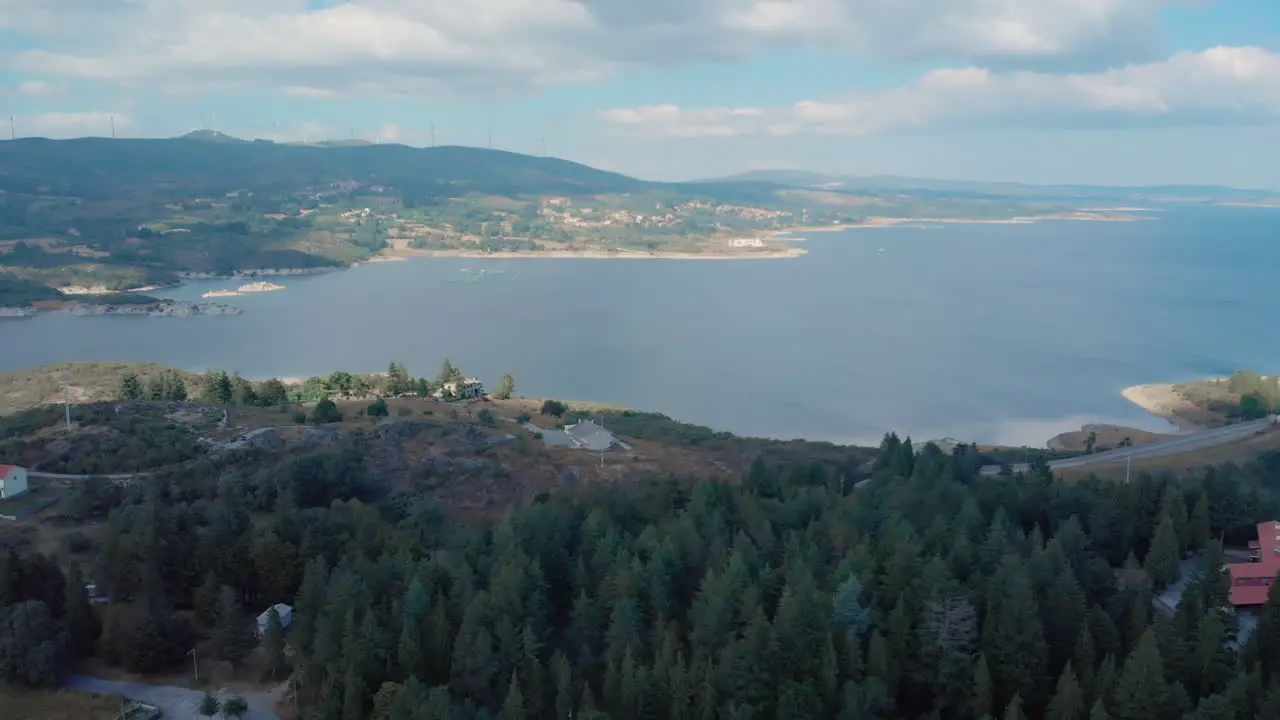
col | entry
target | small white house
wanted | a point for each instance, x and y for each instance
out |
(13, 481)
(467, 389)
(286, 617)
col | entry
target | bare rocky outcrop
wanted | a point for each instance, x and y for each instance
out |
(156, 309)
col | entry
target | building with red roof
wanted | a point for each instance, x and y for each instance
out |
(13, 481)
(1251, 581)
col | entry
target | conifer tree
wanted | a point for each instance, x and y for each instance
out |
(273, 643)
(82, 623)
(1014, 710)
(1163, 558)
(981, 705)
(1200, 527)
(1068, 701)
(1141, 687)
(513, 705)
(1099, 711)
(130, 387)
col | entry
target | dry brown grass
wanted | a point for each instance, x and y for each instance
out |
(58, 705)
(1241, 452)
(1108, 436)
(88, 381)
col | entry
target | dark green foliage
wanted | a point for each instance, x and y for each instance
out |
(209, 706)
(234, 707)
(326, 412)
(131, 388)
(486, 418)
(553, 408)
(377, 408)
(506, 387)
(1162, 561)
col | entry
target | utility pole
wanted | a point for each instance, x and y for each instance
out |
(1128, 465)
(66, 400)
(195, 665)
(113, 127)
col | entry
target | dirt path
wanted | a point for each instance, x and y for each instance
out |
(177, 703)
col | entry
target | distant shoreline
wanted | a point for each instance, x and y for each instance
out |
(888, 222)
(600, 255)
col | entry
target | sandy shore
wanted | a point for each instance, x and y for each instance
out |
(1161, 400)
(604, 255)
(1095, 215)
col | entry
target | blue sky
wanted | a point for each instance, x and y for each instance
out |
(1091, 91)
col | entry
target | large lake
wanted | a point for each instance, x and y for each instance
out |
(995, 333)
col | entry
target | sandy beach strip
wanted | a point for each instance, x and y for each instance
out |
(1161, 400)
(604, 255)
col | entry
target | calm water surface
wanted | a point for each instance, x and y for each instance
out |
(996, 333)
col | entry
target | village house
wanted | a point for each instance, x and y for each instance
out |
(13, 481)
(286, 617)
(587, 435)
(466, 389)
(1251, 581)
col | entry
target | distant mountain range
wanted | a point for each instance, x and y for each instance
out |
(212, 161)
(886, 183)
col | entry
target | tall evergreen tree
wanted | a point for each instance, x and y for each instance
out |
(1141, 690)
(1068, 701)
(1164, 556)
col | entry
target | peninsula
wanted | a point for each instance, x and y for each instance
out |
(112, 218)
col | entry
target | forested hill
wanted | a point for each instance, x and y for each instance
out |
(930, 594)
(95, 168)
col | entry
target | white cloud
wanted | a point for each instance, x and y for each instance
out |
(443, 46)
(34, 87)
(1222, 84)
(95, 123)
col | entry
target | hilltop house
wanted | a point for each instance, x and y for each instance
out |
(286, 617)
(587, 435)
(466, 389)
(1251, 581)
(13, 481)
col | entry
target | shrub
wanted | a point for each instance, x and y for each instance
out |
(300, 417)
(554, 408)
(486, 418)
(523, 417)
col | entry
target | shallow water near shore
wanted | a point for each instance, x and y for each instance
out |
(995, 333)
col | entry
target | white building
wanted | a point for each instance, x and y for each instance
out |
(13, 481)
(286, 617)
(587, 435)
(746, 242)
(467, 389)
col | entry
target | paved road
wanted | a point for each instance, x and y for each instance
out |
(177, 703)
(1162, 448)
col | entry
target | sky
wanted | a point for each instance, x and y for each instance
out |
(1045, 91)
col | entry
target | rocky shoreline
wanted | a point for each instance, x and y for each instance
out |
(162, 308)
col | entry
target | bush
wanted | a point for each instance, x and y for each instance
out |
(77, 542)
(554, 408)
(486, 418)
(326, 412)
(377, 408)
(523, 417)
(300, 417)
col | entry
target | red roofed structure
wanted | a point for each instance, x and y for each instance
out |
(1251, 581)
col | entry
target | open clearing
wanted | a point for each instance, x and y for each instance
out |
(59, 705)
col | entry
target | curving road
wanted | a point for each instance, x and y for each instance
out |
(1172, 446)
(177, 703)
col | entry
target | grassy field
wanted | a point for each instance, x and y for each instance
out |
(58, 705)
(1242, 452)
(87, 381)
